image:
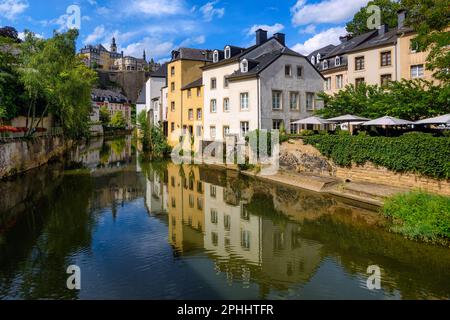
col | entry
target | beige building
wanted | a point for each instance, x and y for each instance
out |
(375, 58)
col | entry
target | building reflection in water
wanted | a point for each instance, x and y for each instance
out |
(222, 218)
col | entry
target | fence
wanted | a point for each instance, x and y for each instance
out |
(10, 136)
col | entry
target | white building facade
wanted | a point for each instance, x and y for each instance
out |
(267, 86)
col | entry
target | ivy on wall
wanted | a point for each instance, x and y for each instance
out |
(417, 153)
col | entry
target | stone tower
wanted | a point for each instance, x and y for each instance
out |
(114, 45)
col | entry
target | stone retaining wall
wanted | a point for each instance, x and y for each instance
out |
(297, 157)
(22, 155)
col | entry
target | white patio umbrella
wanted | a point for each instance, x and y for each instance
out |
(348, 118)
(445, 119)
(314, 121)
(387, 121)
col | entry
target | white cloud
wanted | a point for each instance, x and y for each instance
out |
(311, 29)
(322, 39)
(153, 7)
(271, 29)
(153, 47)
(209, 11)
(193, 41)
(37, 35)
(326, 11)
(10, 9)
(99, 33)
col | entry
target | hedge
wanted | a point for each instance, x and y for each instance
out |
(418, 153)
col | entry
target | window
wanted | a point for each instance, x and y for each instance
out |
(386, 59)
(339, 81)
(225, 82)
(244, 101)
(359, 63)
(213, 191)
(172, 181)
(172, 106)
(276, 100)
(227, 52)
(172, 71)
(359, 81)
(212, 131)
(172, 127)
(189, 93)
(294, 100)
(213, 83)
(299, 71)
(245, 240)
(328, 83)
(199, 203)
(385, 79)
(337, 61)
(215, 239)
(216, 56)
(244, 66)
(277, 124)
(325, 64)
(417, 71)
(213, 106)
(172, 86)
(191, 202)
(244, 129)
(199, 92)
(227, 222)
(310, 97)
(191, 114)
(288, 70)
(174, 205)
(214, 216)
(313, 60)
(198, 131)
(199, 114)
(294, 127)
(318, 57)
(414, 46)
(226, 131)
(226, 105)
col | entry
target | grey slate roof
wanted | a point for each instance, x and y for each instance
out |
(191, 54)
(161, 72)
(100, 95)
(323, 51)
(389, 37)
(195, 84)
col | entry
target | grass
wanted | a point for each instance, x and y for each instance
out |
(420, 216)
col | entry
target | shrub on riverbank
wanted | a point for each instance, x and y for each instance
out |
(418, 153)
(419, 215)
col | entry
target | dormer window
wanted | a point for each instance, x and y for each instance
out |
(216, 56)
(313, 60)
(244, 66)
(318, 57)
(227, 52)
(337, 62)
(325, 64)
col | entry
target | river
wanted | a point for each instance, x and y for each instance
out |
(154, 230)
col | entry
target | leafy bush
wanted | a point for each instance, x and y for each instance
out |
(419, 215)
(306, 133)
(418, 153)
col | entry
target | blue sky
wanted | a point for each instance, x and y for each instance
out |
(159, 26)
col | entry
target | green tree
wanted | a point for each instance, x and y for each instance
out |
(52, 71)
(104, 116)
(388, 8)
(412, 100)
(118, 121)
(431, 20)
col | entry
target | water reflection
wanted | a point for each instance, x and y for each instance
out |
(155, 230)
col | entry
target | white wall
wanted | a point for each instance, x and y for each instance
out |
(235, 116)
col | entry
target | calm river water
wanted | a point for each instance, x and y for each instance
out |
(143, 230)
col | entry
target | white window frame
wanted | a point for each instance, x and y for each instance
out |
(244, 103)
(213, 106)
(278, 93)
(244, 66)
(216, 56)
(226, 104)
(247, 128)
(415, 74)
(213, 132)
(227, 52)
(337, 61)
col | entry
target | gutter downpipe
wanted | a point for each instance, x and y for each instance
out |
(259, 101)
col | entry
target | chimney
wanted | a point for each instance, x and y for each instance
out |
(281, 37)
(345, 38)
(401, 14)
(261, 36)
(382, 29)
